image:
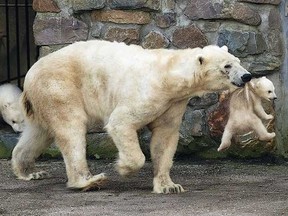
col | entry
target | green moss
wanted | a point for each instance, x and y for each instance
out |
(52, 152)
(101, 146)
(4, 151)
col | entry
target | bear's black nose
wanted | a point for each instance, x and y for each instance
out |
(246, 78)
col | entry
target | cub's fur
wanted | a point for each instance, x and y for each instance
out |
(125, 88)
(10, 106)
(246, 111)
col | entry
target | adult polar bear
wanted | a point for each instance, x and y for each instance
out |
(126, 87)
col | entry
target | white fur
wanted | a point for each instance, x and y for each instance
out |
(10, 107)
(125, 88)
(246, 111)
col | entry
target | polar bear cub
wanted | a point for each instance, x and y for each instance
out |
(10, 107)
(246, 111)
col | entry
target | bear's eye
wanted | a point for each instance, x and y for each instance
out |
(13, 122)
(269, 92)
(228, 66)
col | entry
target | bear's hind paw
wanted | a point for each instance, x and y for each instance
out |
(96, 182)
(35, 176)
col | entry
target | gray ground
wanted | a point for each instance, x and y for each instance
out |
(213, 188)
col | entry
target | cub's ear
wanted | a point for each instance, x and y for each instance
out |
(200, 59)
(225, 48)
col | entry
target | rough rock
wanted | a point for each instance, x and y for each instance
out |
(155, 40)
(275, 43)
(165, 20)
(189, 37)
(135, 4)
(127, 35)
(204, 102)
(96, 29)
(274, 19)
(120, 16)
(45, 6)
(168, 6)
(58, 30)
(244, 14)
(78, 5)
(203, 9)
(242, 42)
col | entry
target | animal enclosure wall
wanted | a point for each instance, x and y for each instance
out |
(252, 30)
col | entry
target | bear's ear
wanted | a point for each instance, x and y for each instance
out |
(200, 59)
(225, 48)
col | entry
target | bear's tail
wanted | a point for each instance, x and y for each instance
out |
(27, 105)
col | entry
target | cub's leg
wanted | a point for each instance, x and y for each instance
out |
(165, 135)
(122, 128)
(70, 137)
(226, 137)
(259, 110)
(33, 141)
(260, 129)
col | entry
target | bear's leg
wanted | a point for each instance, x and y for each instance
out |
(124, 135)
(165, 135)
(226, 137)
(71, 140)
(261, 130)
(33, 141)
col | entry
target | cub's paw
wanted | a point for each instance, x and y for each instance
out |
(35, 176)
(269, 117)
(268, 136)
(272, 135)
(168, 189)
(223, 147)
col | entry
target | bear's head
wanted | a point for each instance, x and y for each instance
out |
(264, 88)
(220, 69)
(13, 116)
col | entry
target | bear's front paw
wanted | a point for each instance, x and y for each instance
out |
(167, 189)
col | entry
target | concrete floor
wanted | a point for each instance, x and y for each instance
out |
(213, 188)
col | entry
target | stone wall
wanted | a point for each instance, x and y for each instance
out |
(250, 28)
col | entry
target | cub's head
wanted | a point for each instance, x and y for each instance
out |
(264, 88)
(13, 116)
(221, 70)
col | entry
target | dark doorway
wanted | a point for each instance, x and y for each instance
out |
(17, 49)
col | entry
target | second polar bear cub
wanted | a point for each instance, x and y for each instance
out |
(10, 106)
(246, 111)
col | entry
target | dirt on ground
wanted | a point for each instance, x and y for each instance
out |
(213, 188)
